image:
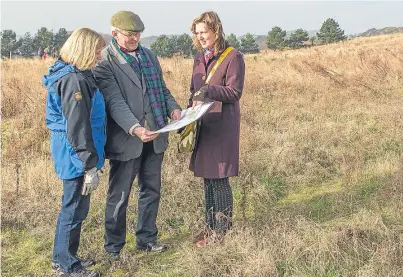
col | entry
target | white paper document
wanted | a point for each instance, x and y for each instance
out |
(187, 116)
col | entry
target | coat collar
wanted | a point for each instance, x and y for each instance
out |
(200, 57)
(200, 54)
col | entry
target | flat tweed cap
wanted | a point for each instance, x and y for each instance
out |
(127, 21)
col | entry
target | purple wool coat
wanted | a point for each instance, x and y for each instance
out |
(216, 154)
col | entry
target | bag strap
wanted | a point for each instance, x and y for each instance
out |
(220, 60)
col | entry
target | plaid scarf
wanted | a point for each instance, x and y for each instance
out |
(154, 83)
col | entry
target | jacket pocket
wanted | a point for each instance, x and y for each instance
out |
(66, 161)
(116, 138)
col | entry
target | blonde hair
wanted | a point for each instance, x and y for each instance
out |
(80, 48)
(213, 23)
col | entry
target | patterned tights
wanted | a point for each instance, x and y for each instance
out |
(218, 196)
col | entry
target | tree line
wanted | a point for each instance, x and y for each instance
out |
(164, 46)
(28, 45)
(330, 32)
(182, 45)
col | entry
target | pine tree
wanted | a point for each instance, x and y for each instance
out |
(297, 39)
(27, 46)
(8, 42)
(330, 32)
(312, 40)
(233, 41)
(163, 46)
(43, 38)
(275, 38)
(248, 44)
(184, 45)
(60, 38)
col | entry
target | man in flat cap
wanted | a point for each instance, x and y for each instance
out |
(137, 102)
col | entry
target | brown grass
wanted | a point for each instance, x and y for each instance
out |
(320, 191)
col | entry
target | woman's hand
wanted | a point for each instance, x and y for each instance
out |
(199, 96)
(195, 103)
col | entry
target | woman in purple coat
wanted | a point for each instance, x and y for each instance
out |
(216, 154)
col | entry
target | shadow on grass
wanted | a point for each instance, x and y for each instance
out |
(321, 203)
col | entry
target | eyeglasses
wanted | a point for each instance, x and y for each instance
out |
(129, 34)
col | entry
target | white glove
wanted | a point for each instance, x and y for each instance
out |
(91, 181)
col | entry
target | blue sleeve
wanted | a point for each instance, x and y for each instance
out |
(76, 94)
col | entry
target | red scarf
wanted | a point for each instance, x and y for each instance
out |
(208, 54)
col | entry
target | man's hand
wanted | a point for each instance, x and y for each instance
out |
(176, 114)
(91, 181)
(144, 134)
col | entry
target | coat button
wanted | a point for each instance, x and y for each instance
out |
(203, 78)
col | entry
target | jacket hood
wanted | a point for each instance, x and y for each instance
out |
(57, 71)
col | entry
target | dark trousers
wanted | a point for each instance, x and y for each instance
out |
(219, 202)
(68, 229)
(121, 177)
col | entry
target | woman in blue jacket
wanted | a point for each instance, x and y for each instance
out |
(75, 115)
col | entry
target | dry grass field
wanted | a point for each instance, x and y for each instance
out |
(321, 186)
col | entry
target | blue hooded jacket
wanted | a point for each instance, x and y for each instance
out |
(75, 115)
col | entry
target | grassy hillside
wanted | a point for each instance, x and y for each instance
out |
(321, 186)
(383, 31)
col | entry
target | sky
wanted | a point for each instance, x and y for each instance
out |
(175, 17)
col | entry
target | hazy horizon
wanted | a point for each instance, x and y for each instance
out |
(237, 17)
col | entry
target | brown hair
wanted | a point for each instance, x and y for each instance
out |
(213, 23)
